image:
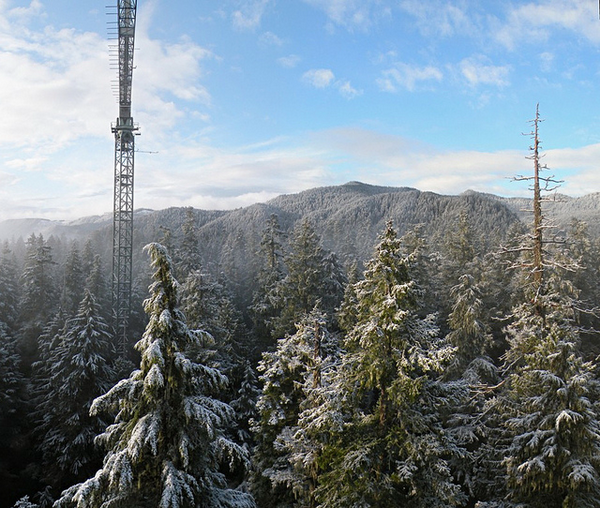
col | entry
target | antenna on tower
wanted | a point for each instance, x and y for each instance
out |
(124, 130)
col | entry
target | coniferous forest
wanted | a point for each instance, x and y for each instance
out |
(352, 346)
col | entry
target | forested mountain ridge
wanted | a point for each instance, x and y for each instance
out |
(335, 211)
(347, 218)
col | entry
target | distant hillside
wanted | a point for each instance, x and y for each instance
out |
(562, 209)
(348, 217)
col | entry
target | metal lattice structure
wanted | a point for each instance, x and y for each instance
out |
(124, 131)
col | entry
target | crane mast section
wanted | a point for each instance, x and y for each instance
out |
(124, 132)
(126, 11)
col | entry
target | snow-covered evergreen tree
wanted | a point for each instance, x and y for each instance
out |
(24, 502)
(467, 422)
(470, 333)
(9, 289)
(167, 441)
(282, 373)
(96, 284)
(11, 403)
(73, 281)
(553, 456)
(188, 254)
(264, 299)
(39, 296)
(39, 289)
(304, 442)
(244, 404)
(78, 372)
(312, 275)
(207, 305)
(392, 450)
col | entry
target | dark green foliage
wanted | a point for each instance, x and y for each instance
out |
(39, 295)
(264, 299)
(39, 288)
(9, 288)
(96, 283)
(468, 322)
(74, 281)
(293, 414)
(12, 388)
(207, 305)
(188, 254)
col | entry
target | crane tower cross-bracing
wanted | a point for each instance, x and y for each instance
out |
(124, 131)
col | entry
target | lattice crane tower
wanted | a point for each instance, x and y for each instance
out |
(124, 131)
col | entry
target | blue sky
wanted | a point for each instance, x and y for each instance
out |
(243, 100)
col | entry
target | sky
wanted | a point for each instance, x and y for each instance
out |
(239, 101)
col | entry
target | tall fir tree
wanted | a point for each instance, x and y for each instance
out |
(244, 405)
(73, 281)
(392, 450)
(468, 322)
(312, 275)
(12, 385)
(550, 408)
(167, 443)
(78, 373)
(188, 254)
(320, 413)
(272, 271)
(9, 288)
(287, 452)
(96, 284)
(471, 369)
(39, 295)
(207, 305)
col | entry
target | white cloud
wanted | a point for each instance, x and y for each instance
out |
(406, 76)
(57, 107)
(52, 88)
(477, 70)
(289, 61)
(347, 90)
(323, 78)
(533, 22)
(319, 78)
(385, 159)
(30, 164)
(34, 9)
(353, 14)
(237, 176)
(271, 39)
(440, 18)
(249, 16)
(55, 85)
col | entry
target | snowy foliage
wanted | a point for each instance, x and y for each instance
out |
(166, 444)
(554, 453)
(392, 449)
(311, 355)
(75, 372)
